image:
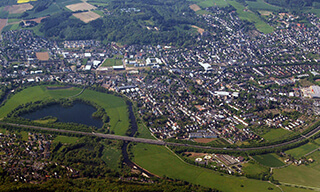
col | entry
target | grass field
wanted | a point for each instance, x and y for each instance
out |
(66, 139)
(251, 17)
(111, 155)
(307, 175)
(270, 160)
(261, 5)
(111, 62)
(210, 3)
(52, 9)
(115, 107)
(302, 150)
(253, 168)
(160, 161)
(275, 134)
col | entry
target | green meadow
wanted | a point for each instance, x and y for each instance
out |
(115, 107)
(270, 160)
(65, 139)
(276, 134)
(307, 175)
(160, 161)
(302, 150)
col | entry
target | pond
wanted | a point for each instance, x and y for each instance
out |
(78, 113)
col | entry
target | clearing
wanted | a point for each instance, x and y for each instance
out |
(81, 7)
(200, 30)
(87, 16)
(3, 23)
(42, 56)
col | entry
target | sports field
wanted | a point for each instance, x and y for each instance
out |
(270, 160)
(111, 62)
(115, 107)
(160, 161)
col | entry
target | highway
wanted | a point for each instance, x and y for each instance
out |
(158, 142)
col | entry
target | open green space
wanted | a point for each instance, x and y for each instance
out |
(246, 14)
(270, 160)
(210, 3)
(317, 141)
(160, 161)
(52, 9)
(294, 189)
(307, 175)
(111, 62)
(115, 107)
(24, 135)
(253, 168)
(261, 5)
(111, 155)
(276, 134)
(65, 139)
(302, 150)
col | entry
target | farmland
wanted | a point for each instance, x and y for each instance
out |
(307, 175)
(16, 9)
(87, 16)
(25, 1)
(261, 5)
(275, 134)
(80, 7)
(65, 139)
(3, 23)
(302, 150)
(270, 160)
(160, 161)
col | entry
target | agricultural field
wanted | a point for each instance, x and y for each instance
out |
(25, 1)
(270, 160)
(160, 161)
(253, 168)
(81, 7)
(3, 23)
(87, 16)
(246, 14)
(302, 150)
(52, 9)
(115, 107)
(307, 175)
(42, 56)
(65, 139)
(195, 7)
(16, 9)
(210, 3)
(261, 5)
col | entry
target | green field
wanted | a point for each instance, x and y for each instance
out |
(160, 161)
(111, 62)
(261, 5)
(276, 134)
(52, 9)
(210, 3)
(302, 150)
(308, 175)
(251, 17)
(111, 155)
(253, 168)
(65, 139)
(115, 107)
(270, 160)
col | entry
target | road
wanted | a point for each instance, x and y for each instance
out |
(159, 142)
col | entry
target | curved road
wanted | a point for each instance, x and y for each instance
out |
(157, 142)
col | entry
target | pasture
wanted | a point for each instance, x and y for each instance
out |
(261, 5)
(276, 134)
(307, 175)
(270, 160)
(302, 150)
(111, 155)
(81, 7)
(87, 16)
(160, 161)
